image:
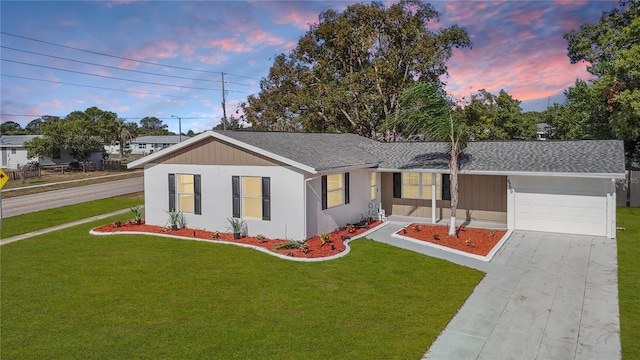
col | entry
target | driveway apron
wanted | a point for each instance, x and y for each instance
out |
(545, 296)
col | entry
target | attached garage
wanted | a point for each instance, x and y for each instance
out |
(571, 205)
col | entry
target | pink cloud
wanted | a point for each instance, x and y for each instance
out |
(152, 50)
(231, 44)
(300, 19)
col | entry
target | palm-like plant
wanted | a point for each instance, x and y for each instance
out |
(126, 133)
(424, 108)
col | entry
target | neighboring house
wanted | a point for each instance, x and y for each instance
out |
(144, 145)
(297, 185)
(13, 153)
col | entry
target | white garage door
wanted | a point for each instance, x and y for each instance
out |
(575, 206)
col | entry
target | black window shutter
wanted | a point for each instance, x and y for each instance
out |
(235, 184)
(197, 195)
(324, 192)
(397, 185)
(346, 188)
(446, 187)
(172, 192)
(266, 198)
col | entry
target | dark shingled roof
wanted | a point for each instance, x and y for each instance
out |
(324, 151)
(575, 156)
(320, 151)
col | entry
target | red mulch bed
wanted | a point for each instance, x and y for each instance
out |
(470, 240)
(315, 247)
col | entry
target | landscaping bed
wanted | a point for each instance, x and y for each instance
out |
(475, 241)
(314, 247)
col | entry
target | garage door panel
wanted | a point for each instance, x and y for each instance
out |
(572, 210)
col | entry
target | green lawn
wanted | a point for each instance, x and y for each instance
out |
(68, 294)
(23, 224)
(628, 283)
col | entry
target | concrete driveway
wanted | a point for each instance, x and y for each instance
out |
(545, 296)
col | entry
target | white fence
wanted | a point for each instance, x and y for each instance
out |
(628, 190)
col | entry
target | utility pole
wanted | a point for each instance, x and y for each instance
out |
(224, 109)
(179, 126)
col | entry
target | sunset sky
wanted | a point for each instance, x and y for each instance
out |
(61, 56)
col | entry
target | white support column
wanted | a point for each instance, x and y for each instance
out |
(433, 198)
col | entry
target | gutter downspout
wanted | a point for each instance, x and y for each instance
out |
(306, 182)
(433, 198)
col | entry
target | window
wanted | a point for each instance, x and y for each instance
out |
(335, 190)
(13, 150)
(186, 193)
(142, 146)
(374, 187)
(251, 196)
(419, 185)
(186, 190)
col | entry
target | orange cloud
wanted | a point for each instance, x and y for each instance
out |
(231, 44)
(300, 19)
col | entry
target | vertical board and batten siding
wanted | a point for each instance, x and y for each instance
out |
(483, 196)
(212, 151)
(216, 163)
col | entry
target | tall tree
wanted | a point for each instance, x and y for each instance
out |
(11, 128)
(348, 71)
(80, 133)
(492, 117)
(34, 126)
(127, 131)
(153, 126)
(425, 109)
(612, 49)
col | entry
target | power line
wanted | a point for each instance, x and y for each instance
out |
(121, 57)
(119, 68)
(94, 87)
(117, 78)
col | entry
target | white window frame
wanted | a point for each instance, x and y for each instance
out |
(180, 193)
(333, 190)
(436, 180)
(244, 196)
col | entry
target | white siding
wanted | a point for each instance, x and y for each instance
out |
(14, 161)
(287, 205)
(321, 221)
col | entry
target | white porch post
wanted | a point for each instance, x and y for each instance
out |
(433, 198)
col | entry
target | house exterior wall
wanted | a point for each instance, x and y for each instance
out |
(287, 205)
(481, 197)
(14, 161)
(212, 151)
(360, 203)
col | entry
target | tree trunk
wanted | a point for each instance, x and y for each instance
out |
(454, 190)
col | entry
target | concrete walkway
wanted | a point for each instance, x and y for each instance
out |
(545, 296)
(59, 227)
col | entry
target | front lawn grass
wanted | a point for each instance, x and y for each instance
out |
(628, 284)
(69, 294)
(22, 224)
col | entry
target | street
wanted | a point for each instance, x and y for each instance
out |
(56, 198)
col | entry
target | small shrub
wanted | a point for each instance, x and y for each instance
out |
(175, 217)
(350, 228)
(117, 224)
(261, 238)
(236, 225)
(492, 233)
(137, 214)
(416, 227)
(215, 235)
(325, 238)
(291, 245)
(436, 236)
(470, 243)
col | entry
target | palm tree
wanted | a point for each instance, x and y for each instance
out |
(126, 132)
(425, 109)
